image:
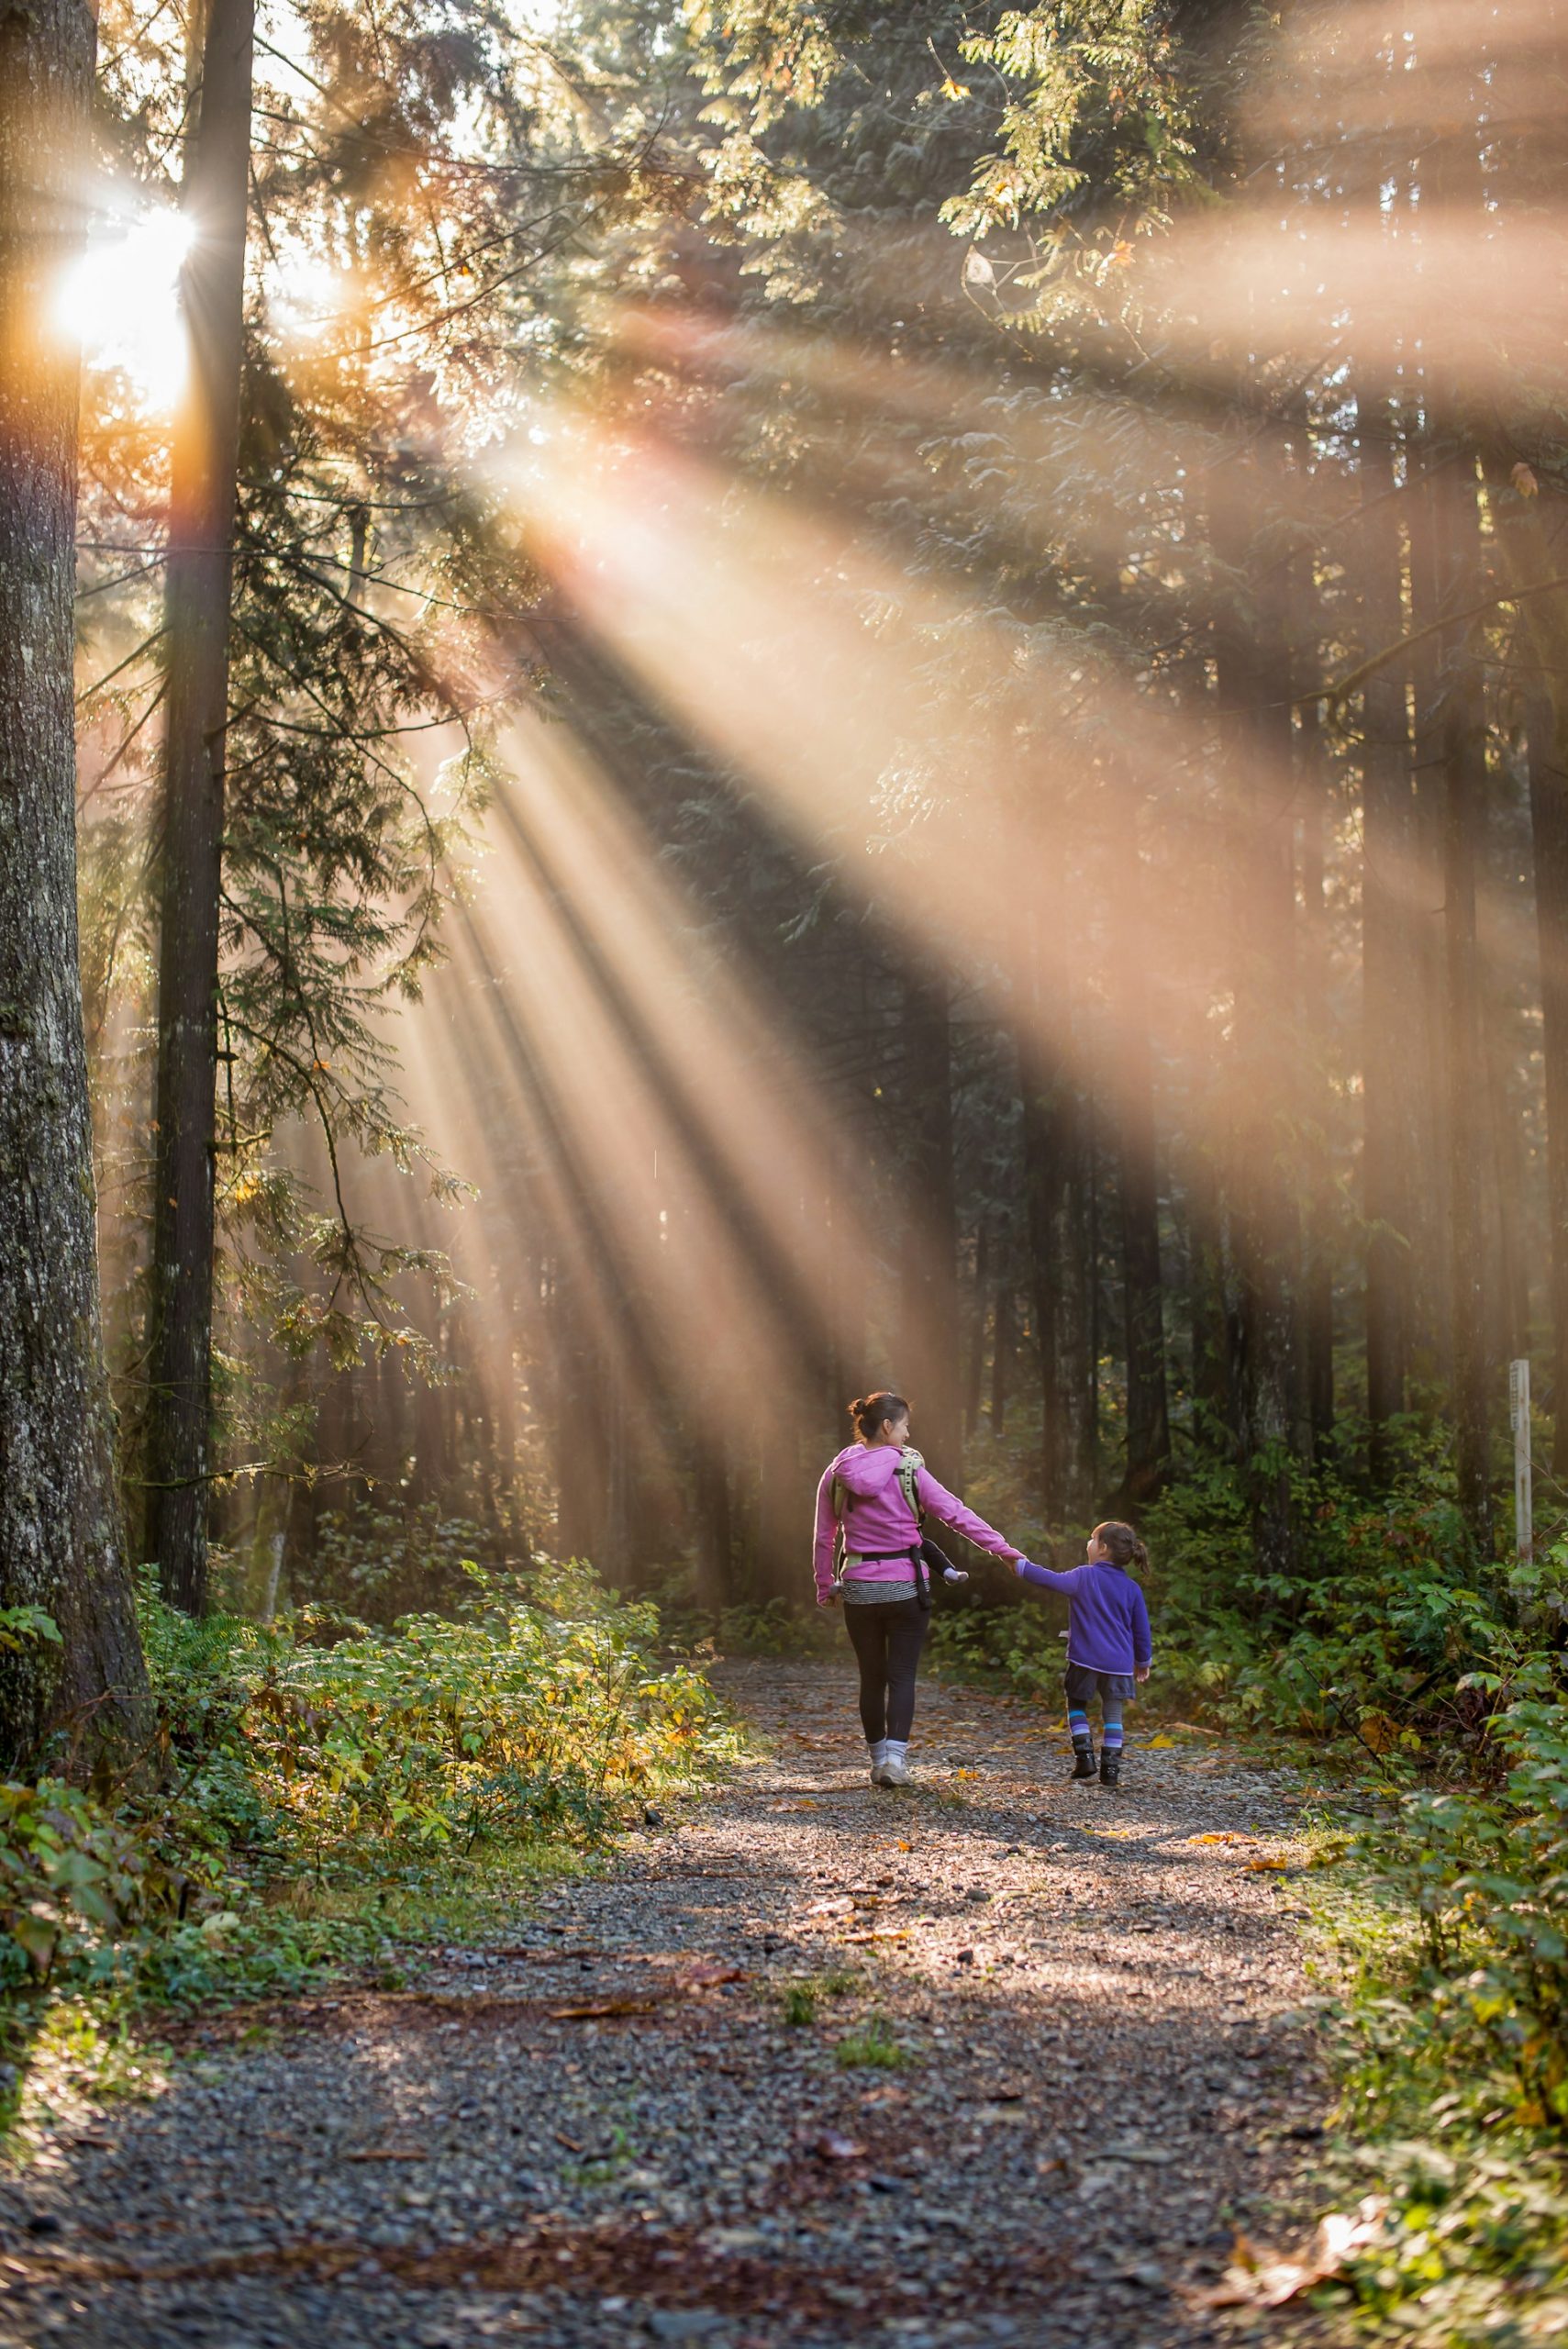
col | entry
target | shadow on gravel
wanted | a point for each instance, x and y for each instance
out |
(1042, 2064)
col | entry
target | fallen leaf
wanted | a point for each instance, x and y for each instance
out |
(839, 1908)
(1267, 1866)
(388, 2153)
(1161, 1745)
(832, 2147)
(1224, 1838)
(1259, 2279)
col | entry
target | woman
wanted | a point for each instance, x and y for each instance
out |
(871, 1493)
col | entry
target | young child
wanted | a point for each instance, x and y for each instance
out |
(1108, 1646)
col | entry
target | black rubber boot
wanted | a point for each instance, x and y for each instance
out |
(1083, 1762)
(1110, 1766)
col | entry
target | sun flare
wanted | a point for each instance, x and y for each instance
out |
(120, 299)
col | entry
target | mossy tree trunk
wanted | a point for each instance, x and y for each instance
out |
(59, 1537)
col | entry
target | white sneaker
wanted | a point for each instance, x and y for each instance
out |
(892, 1773)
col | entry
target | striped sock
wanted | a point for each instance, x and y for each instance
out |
(1112, 1739)
(1078, 1727)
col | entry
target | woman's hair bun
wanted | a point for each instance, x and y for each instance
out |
(870, 1410)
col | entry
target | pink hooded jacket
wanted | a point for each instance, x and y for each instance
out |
(877, 1515)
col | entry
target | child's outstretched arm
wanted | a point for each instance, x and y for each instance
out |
(1047, 1577)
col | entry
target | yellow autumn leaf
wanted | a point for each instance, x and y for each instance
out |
(1161, 1745)
(1268, 1867)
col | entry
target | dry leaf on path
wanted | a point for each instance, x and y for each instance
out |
(832, 2147)
(1259, 2279)
(388, 2153)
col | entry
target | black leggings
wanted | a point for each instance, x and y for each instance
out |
(887, 1641)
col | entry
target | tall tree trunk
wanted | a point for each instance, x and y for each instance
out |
(1529, 547)
(1431, 1347)
(1207, 1318)
(1548, 828)
(1390, 996)
(1056, 1224)
(1317, 1164)
(1252, 674)
(715, 1535)
(1147, 1407)
(1453, 486)
(1039, 1133)
(1003, 1346)
(203, 499)
(61, 1546)
(928, 1309)
(975, 1366)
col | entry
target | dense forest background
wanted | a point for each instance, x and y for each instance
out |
(895, 712)
(703, 703)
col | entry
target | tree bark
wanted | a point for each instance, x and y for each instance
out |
(1389, 1000)
(61, 1546)
(1004, 1344)
(975, 1366)
(1148, 1406)
(1548, 828)
(199, 580)
(1253, 674)
(929, 1304)
(1463, 751)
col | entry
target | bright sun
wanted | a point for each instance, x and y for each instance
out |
(120, 300)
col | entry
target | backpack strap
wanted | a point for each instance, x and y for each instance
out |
(910, 1464)
(839, 1501)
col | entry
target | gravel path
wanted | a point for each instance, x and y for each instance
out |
(610, 2129)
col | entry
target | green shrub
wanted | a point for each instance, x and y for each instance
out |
(352, 1759)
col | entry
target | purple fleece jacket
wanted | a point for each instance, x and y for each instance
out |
(1107, 1622)
(877, 1515)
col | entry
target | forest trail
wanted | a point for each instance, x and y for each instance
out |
(1096, 2069)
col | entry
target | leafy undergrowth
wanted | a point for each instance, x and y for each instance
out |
(325, 1794)
(1424, 1692)
(1442, 1943)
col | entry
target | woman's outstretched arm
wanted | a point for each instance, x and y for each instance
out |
(939, 1502)
(822, 1550)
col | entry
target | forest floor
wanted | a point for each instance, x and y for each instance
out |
(998, 2059)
